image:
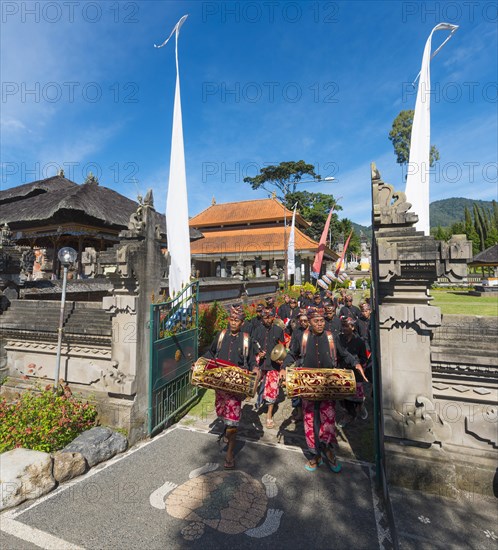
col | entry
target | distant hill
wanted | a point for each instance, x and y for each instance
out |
(448, 211)
(362, 228)
(444, 213)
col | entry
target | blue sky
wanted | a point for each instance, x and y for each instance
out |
(262, 82)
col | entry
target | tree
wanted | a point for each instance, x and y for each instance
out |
(400, 136)
(345, 227)
(440, 234)
(314, 208)
(284, 177)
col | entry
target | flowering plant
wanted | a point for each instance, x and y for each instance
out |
(44, 420)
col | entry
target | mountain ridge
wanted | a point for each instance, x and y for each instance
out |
(443, 212)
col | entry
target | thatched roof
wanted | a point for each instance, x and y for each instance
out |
(60, 199)
(487, 257)
(35, 188)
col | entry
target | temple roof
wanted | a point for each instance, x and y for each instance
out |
(257, 240)
(35, 188)
(46, 201)
(244, 212)
(486, 257)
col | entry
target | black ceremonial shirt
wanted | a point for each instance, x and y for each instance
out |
(231, 350)
(268, 338)
(318, 353)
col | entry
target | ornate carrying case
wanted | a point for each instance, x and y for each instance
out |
(320, 384)
(223, 375)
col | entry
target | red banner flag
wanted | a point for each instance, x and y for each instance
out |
(341, 261)
(317, 264)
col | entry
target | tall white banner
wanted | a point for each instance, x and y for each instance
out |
(177, 228)
(417, 181)
(291, 251)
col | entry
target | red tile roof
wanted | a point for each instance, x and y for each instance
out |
(237, 213)
(254, 240)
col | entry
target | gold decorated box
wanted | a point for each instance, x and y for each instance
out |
(320, 384)
(222, 375)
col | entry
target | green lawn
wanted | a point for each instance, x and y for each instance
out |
(454, 302)
(204, 405)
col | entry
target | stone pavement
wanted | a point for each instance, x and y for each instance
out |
(172, 492)
(144, 499)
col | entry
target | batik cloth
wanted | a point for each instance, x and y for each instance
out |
(228, 408)
(359, 396)
(327, 423)
(270, 393)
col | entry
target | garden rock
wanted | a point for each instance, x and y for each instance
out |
(24, 475)
(97, 445)
(68, 465)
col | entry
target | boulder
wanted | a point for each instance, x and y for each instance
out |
(24, 475)
(97, 445)
(68, 465)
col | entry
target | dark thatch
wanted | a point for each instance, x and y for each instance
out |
(35, 188)
(99, 204)
(487, 257)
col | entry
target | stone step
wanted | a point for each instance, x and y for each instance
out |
(443, 355)
(462, 343)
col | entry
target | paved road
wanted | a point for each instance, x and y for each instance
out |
(276, 503)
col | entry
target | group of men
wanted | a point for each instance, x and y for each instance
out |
(315, 337)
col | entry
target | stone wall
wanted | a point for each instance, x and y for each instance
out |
(431, 441)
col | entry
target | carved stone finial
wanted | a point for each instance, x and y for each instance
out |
(273, 194)
(213, 201)
(390, 207)
(149, 199)
(92, 179)
(60, 173)
(375, 172)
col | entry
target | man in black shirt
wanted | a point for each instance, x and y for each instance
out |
(268, 335)
(332, 322)
(348, 309)
(319, 349)
(270, 303)
(317, 300)
(364, 324)
(236, 347)
(258, 319)
(297, 334)
(307, 301)
(283, 311)
(356, 346)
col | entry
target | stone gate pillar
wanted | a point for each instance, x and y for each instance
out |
(408, 263)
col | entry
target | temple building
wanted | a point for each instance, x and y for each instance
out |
(49, 214)
(246, 239)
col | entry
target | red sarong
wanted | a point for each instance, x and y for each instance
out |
(228, 408)
(327, 423)
(270, 393)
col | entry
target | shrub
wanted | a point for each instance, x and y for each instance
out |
(212, 318)
(44, 420)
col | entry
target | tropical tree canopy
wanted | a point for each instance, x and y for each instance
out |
(400, 136)
(283, 177)
(313, 207)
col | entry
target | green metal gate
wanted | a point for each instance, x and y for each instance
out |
(173, 349)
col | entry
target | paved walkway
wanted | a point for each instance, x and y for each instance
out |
(270, 501)
(172, 492)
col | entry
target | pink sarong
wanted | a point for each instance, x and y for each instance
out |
(228, 408)
(270, 393)
(327, 423)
